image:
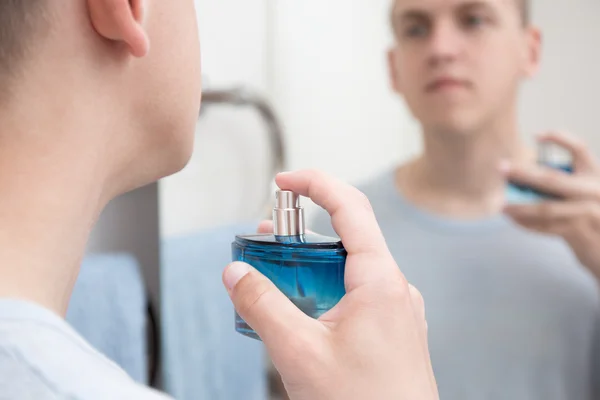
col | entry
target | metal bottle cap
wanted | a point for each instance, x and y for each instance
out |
(288, 215)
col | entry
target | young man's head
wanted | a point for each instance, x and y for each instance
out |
(458, 63)
(121, 76)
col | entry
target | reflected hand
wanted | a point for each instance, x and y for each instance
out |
(576, 215)
(373, 344)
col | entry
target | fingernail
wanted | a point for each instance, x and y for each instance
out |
(284, 173)
(234, 273)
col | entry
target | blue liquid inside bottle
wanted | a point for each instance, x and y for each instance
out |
(307, 268)
(519, 193)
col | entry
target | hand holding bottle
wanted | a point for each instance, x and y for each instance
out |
(373, 344)
(575, 214)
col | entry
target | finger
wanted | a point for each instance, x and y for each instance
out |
(350, 211)
(583, 159)
(265, 227)
(547, 210)
(354, 222)
(551, 181)
(553, 217)
(258, 301)
(558, 228)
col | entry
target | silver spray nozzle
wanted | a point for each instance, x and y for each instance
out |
(288, 215)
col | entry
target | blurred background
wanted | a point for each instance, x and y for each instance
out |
(312, 76)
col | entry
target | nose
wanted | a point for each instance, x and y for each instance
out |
(445, 44)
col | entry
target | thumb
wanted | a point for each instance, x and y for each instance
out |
(262, 305)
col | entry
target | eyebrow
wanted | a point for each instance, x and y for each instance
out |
(402, 16)
(409, 15)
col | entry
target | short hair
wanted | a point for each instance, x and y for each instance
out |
(20, 20)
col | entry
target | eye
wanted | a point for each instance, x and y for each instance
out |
(417, 30)
(474, 21)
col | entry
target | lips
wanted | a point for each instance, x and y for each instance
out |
(446, 83)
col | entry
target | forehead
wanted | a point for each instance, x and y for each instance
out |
(434, 7)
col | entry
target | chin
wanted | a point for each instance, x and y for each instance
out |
(459, 123)
(448, 128)
(178, 157)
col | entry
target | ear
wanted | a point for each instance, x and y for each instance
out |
(121, 21)
(533, 51)
(393, 71)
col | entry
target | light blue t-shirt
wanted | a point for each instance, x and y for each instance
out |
(42, 358)
(512, 315)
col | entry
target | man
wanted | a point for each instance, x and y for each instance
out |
(511, 313)
(98, 97)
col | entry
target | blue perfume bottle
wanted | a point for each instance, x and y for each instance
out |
(308, 268)
(517, 193)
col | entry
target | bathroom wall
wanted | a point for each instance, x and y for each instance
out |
(564, 95)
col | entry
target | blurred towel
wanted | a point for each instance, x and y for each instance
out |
(108, 308)
(204, 358)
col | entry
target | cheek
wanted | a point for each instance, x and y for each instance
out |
(411, 74)
(174, 57)
(498, 72)
(501, 60)
(167, 86)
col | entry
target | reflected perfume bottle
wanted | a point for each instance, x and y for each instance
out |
(308, 268)
(517, 192)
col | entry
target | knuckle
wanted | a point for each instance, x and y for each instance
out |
(578, 144)
(249, 293)
(552, 178)
(545, 210)
(302, 346)
(397, 292)
(317, 174)
(416, 297)
(363, 201)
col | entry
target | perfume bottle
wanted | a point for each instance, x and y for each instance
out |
(519, 192)
(308, 268)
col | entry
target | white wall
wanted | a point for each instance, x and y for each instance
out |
(332, 89)
(564, 94)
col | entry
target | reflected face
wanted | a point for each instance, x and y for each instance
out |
(458, 63)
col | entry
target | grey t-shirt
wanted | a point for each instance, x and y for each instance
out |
(42, 357)
(511, 314)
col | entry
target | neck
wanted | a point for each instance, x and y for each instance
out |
(51, 197)
(459, 175)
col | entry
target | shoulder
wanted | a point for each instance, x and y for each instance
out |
(41, 357)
